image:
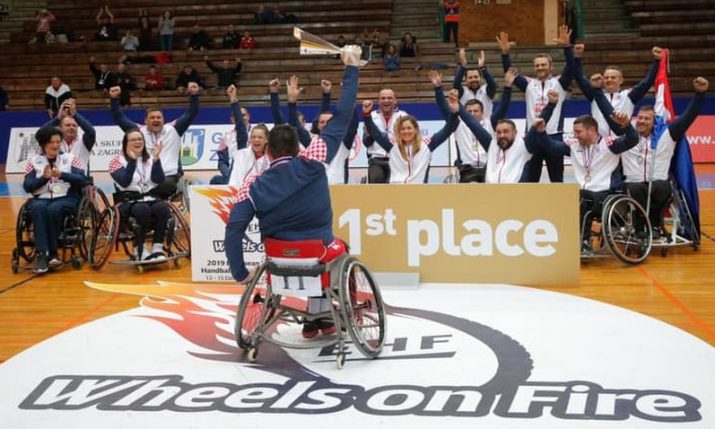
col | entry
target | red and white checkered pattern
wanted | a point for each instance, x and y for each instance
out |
(317, 150)
(115, 164)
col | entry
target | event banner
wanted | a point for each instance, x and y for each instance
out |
(524, 234)
(520, 234)
(210, 208)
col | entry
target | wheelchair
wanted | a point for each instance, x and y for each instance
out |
(113, 230)
(75, 237)
(622, 229)
(466, 173)
(677, 225)
(274, 303)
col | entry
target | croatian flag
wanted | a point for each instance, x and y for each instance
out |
(681, 165)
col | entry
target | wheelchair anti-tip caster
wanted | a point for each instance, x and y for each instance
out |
(252, 354)
(340, 360)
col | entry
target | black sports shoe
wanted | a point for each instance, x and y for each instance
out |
(41, 263)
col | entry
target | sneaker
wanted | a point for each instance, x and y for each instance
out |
(41, 264)
(157, 256)
(55, 262)
(310, 330)
(656, 233)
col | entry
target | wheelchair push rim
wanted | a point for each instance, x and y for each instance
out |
(627, 230)
(254, 311)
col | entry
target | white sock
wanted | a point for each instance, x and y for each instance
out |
(157, 247)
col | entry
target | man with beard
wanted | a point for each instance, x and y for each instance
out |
(156, 131)
(378, 170)
(594, 158)
(474, 90)
(535, 90)
(69, 121)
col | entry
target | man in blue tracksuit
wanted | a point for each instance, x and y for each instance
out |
(291, 199)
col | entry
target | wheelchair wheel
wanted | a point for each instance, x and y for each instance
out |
(104, 238)
(90, 207)
(254, 310)
(181, 236)
(362, 307)
(627, 230)
(25, 235)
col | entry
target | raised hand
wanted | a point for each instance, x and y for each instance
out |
(540, 125)
(366, 107)
(597, 81)
(115, 92)
(72, 106)
(47, 172)
(482, 60)
(157, 149)
(564, 38)
(231, 92)
(553, 96)
(64, 110)
(578, 50)
(463, 57)
(621, 118)
(326, 85)
(453, 102)
(657, 52)
(274, 85)
(435, 78)
(700, 84)
(350, 55)
(293, 89)
(510, 76)
(503, 41)
(193, 88)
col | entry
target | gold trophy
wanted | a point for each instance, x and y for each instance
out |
(311, 44)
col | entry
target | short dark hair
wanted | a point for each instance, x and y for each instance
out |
(283, 141)
(475, 101)
(587, 121)
(507, 121)
(647, 108)
(44, 135)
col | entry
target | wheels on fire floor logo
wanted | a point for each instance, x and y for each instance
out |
(423, 340)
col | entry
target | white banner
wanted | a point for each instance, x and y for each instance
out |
(210, 209)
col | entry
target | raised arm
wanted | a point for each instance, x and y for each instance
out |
(274, 86)
(116, 110)
(639, 91)
(548, 110)
(211, 65)
(482, 135)
(439, 96)
(327, 87)
(564, 40)
(588, 91)
(337, 127)
(184, 121)
(293, 91)
(504, 44)
(459, 74)
(452, 123)
(628, 136)
(90, 135)
(503, 107)
(349, 138)
(678, 128)
(604, 105)
(157, 171)
(240, 126)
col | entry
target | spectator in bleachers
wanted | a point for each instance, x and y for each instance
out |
(199, 39)
(408, 45)
(225, 75)
(265, 16)
(166, 30)
(247, 40)
(129, 42)
(378, 48)
(56, 94)
(105, 30)
(391, 59)
(284, 17)
(127, 83)
(44, 20)
(153, 81)
(231, 38)
(4, 100)
(341, 41)
(451, 21)
(188, 75)
(103, 76)
(144, 30)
